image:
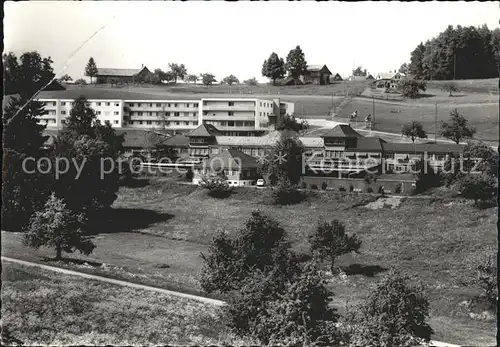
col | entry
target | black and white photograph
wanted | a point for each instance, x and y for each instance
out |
(250, 173)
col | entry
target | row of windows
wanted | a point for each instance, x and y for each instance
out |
(132, 104)
(231, 123)
(149, 122)
(167, 114)
(265, 114)
(265, 104)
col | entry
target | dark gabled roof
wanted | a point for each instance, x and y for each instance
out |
(138, 138)
(342, 130)
(230, 159)
(368, 144)
(316, 68)
(176, 141)
(206, 130)
(423, 147)
(119, 72)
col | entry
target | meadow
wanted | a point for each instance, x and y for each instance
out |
(158, 231)
(40, 307)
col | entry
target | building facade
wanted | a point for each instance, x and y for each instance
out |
(231, 116)
(105, 75)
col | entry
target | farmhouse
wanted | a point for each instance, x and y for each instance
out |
(388, 80)
(121, 75)
(317, 74)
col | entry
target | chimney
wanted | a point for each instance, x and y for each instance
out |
(142, 65)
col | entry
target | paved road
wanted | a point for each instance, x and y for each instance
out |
(154, 289)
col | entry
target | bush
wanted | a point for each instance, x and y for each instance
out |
(394, 314)
(482, 274)
(260, 246)
(397, 190)
(351, 188)
(189, 174)
(293, 313)
(313, 186)
(217, 186)
(341, 189)
(329, 241)
(411, 88)
(479, 187)
(303, 185)
(380, 190)
(369, 190)
(324, 185)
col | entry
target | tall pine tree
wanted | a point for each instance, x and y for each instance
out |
(91, 69)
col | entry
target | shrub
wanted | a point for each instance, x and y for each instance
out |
(303, 185)
(301, 316)
(341, 189)
(479, 187)
(313, 186)
(482, 274)
(286, 194)
(397, 190)
(329, 241)
(394, 314)
(260, 246)
(216, 185)
(189, 174)
(369, 190)
(324, 185)
(411, 88)
(380, 190)
(351, 188)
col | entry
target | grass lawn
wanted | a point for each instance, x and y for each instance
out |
(391, 117)
(41, 307)
(433, 239)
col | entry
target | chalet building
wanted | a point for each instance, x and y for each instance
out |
(317, 74)
(388, 80)
(238, 168)
(104, 75)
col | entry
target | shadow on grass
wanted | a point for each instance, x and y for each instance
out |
(365, 270)
(424, 95)
(134, 183)
(72, 261)
(126, 219)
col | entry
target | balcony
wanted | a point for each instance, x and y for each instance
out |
(229, 118)
(229, 108)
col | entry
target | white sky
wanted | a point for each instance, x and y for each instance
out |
(232, 38)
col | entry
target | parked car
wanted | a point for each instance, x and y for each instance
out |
(260, 182)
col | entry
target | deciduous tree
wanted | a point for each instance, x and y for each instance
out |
(413, 130)
(273, 67)
(450, 88)
(411, 88)
(457, 129)
(330, 240)
(58, 227)
(192, 78)
(230, 80)
(395, 314)
(251, 81)
(207, 79)
(178, 71)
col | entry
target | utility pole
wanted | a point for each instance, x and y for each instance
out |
(373, 110)
(435, 122)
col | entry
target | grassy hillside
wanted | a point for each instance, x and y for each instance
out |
(41, 307)
(434, 239)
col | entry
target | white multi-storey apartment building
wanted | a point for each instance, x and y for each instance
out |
(233, 116)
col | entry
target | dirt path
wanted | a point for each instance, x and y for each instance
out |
(117, 282)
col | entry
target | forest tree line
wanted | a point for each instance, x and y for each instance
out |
(458, 53)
